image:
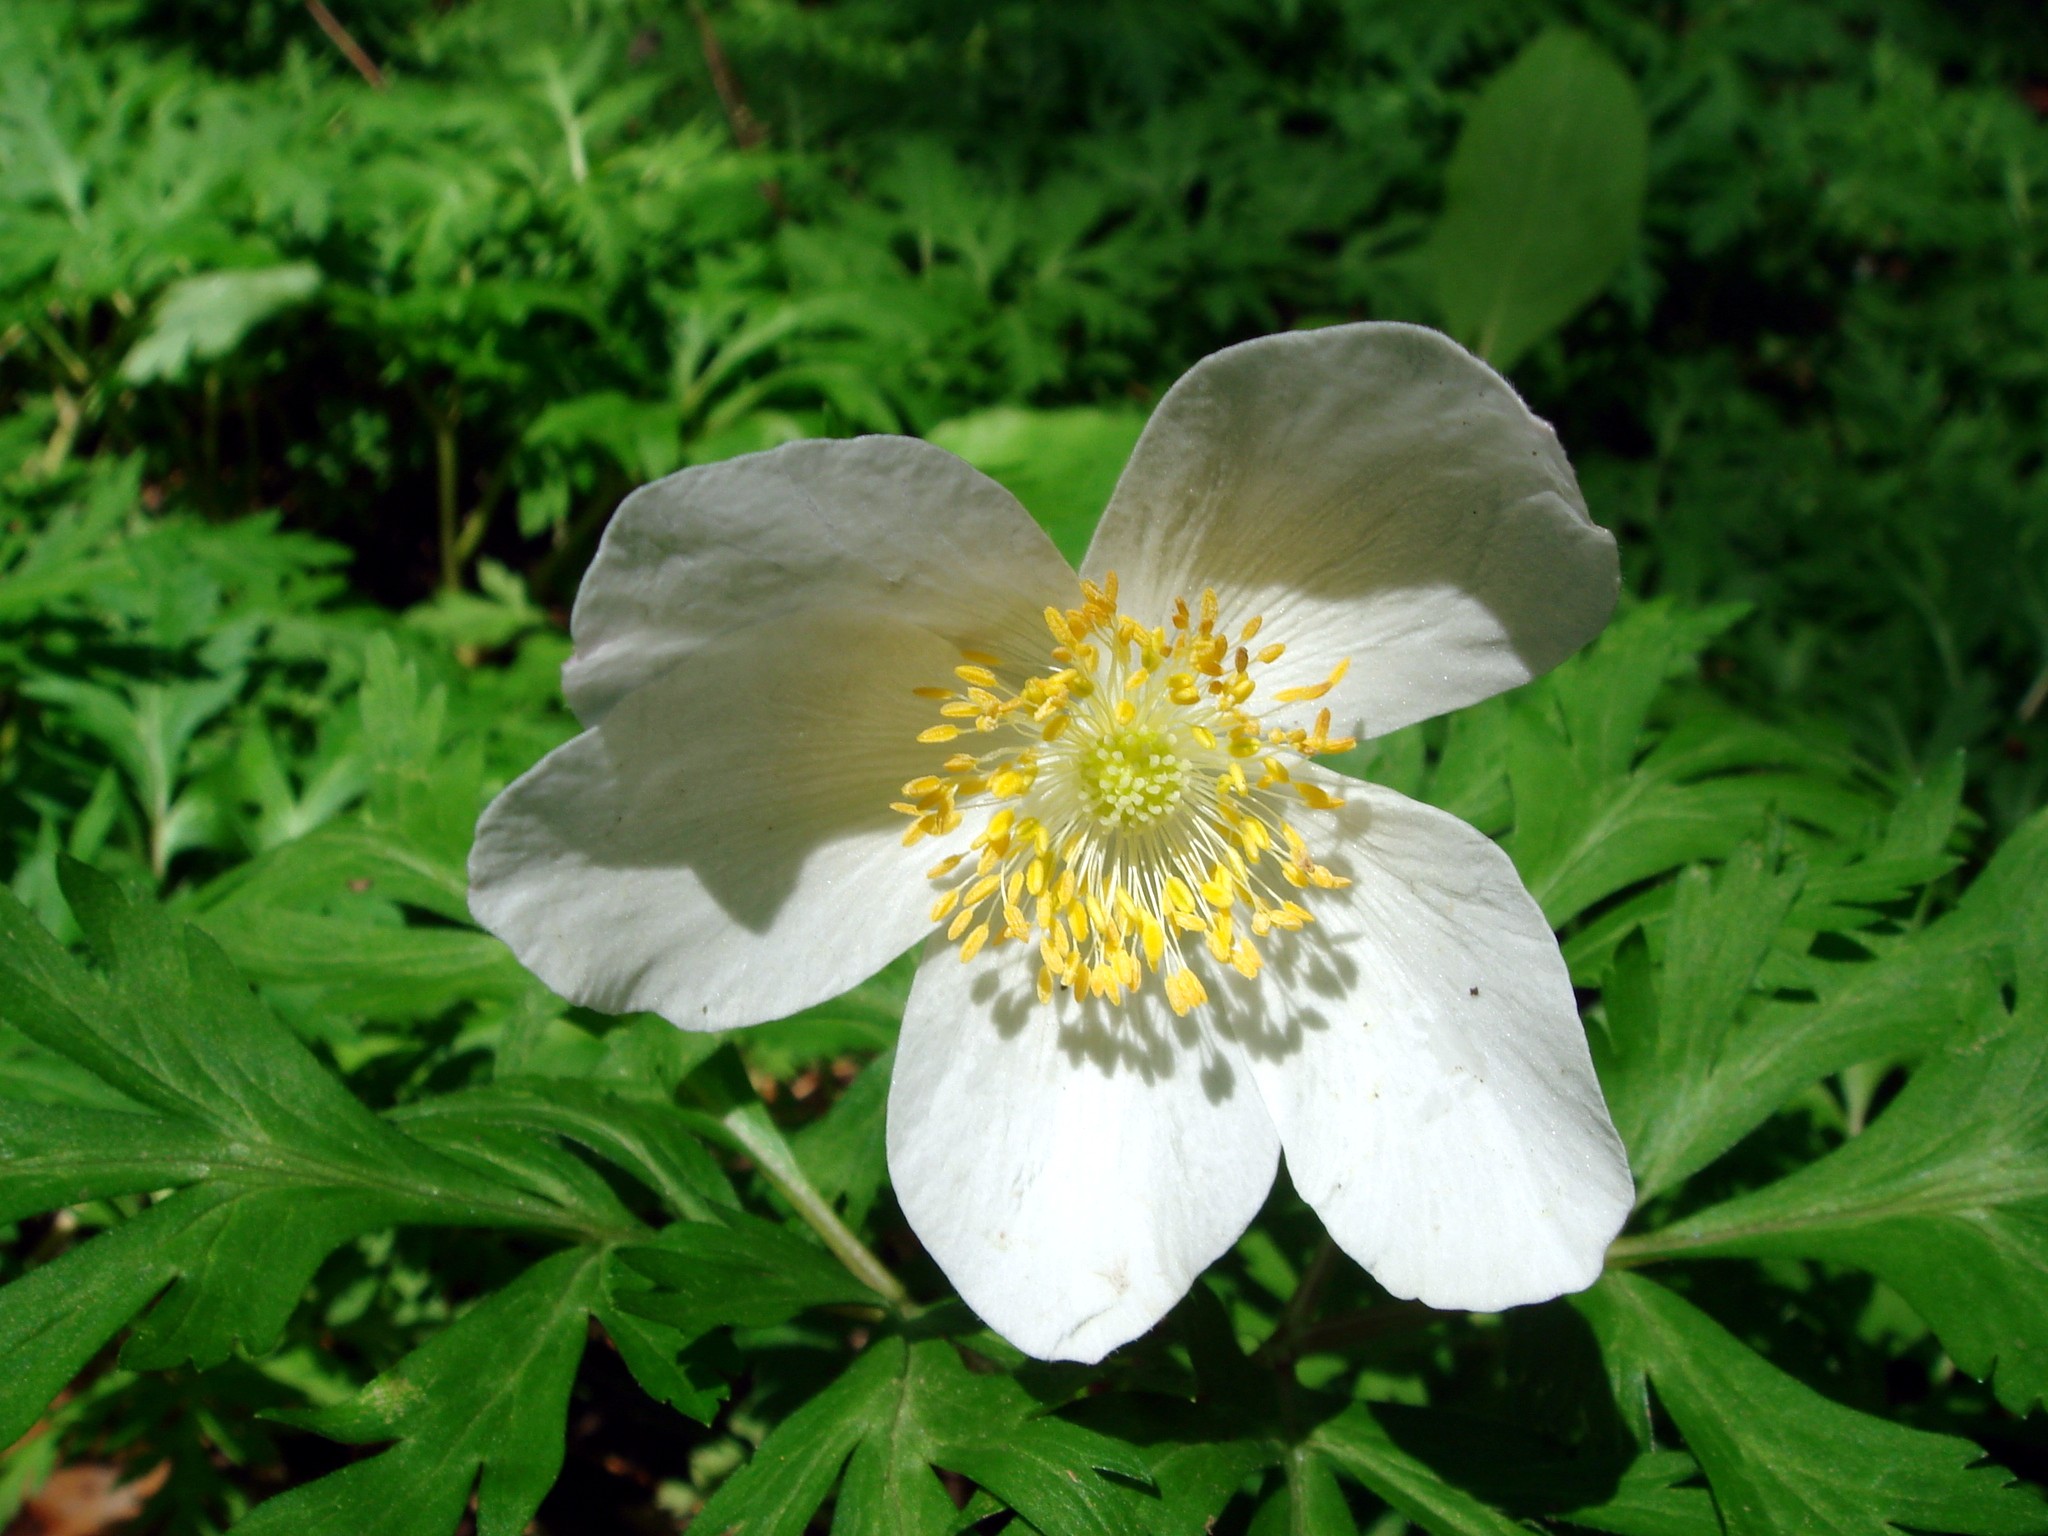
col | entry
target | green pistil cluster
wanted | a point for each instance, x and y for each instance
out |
(1132, 778)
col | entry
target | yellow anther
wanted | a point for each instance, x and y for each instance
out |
(980, 675)
(1321, 799)
(981, 658)
(1271, 653)
(945, 904)
(944, 867)
(1185, 992)
(1250, 632)
(937, 733)
(1314, 690)
(972, 945)
(1219, 936)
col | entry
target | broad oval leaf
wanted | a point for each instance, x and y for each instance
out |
(1543, 198)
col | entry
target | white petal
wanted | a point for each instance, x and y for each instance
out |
(881, 525)
(1379, 495)
(1428, 1070)
(720, 849)
(1072, 1167)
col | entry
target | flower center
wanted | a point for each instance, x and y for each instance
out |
(1125, 832)
(1132, 778)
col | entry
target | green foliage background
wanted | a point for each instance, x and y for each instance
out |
(315, 392)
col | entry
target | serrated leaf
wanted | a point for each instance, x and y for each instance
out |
(1780, 1457)
(902, 1409)
(670, 1364)
(646, 1139)
(1911, 999)
(1945, 1198)
(1603, 1485)
(482, 1405)
(1666, 1022)
(1543, 198)
(1649, 1501)
(738, 1270)
(281, 1164)
(1604, 801)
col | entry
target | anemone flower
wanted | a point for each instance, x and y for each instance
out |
(841, 696)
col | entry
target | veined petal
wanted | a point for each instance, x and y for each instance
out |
(1072, 1167)
(1379, 495)
(1428, 1070)
(720, 848)
(888, 526)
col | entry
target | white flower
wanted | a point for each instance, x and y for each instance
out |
(842, 694)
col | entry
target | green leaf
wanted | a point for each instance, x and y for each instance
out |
(1358, 1443)
(902, 1409)
(1604, 798)
(1908, 1001)
(1543, 198)
(741, 1271)
(278, 1163)
(776, 1493)
(1648, 1501)
(482, 1405)
(1666, 1022)
(668, 1362)
(1601, 1482)
(645, 1138)
(1061, 464)
(1780, 1457)
(1308, 1503)
(324, 910)
(198, 319)
(1945, 1198)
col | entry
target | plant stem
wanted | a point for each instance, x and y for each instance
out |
(755, 1134)
(1648, 1248)
(1352, 1328)
(446, 474)
(1300, 1306)
(351, 50)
